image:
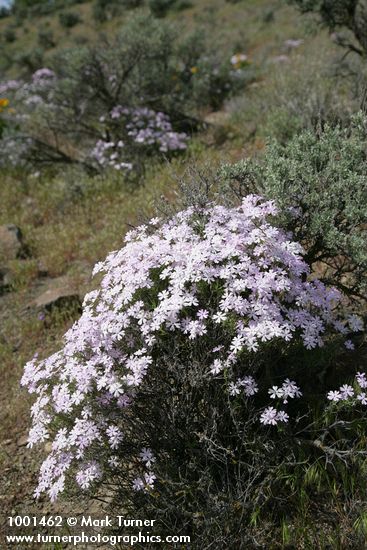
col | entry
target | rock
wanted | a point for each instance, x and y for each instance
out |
(11, 243)
(57, 298)
(58, 295)
(22, 441)
(42, 268)
(217, 118)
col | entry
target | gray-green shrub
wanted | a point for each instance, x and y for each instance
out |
(9, 35)
(104, 9)
(46, 39)
(160, 8)
(319, 180)
(69, 19)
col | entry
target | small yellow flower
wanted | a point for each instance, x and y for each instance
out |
(194, 70)
(3, 104)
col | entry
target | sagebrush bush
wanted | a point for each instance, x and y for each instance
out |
(4, 12)
(319, 181)
(9, 35)
(160, 8)
(46, 39)
(105, 9)
(99, 11)
(69, 19)
(36, 8)
(130, 4)
(31, 60)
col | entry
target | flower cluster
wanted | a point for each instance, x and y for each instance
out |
(14, 151)
(10, 85)
(41, 80)
(272, 416)
(292, 43)
(154, 128)
(139, 127)
(145, 481)
(347, 392)
(108, 154)
(288, 390)
(25, 97)
(225, 272)
(39, 90)
(239, 60)
(246, 386)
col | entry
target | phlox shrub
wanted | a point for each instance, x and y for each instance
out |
(140, 128)
(212, 290)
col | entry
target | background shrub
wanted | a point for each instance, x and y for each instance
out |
(105, 9)
(69, 19)
(129, 4)
(36, 8)
(99, 11)
(182, 5)
(10, 35)
(31, 60)
(160, 8)
(91, 111)
(4, 12)
(46, 39)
